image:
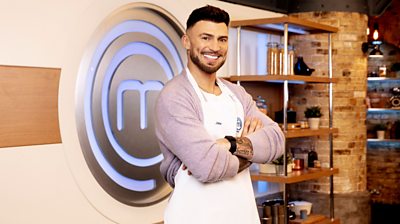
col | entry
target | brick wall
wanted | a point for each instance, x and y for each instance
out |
(349, 110)
(384, 172)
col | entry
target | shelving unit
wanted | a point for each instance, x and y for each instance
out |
(383, 110)
(382, 179)
(383, 140)
(298, 133)
(292, 79)
(295, 176)
(283, 26)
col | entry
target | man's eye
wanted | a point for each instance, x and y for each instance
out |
(205, 38)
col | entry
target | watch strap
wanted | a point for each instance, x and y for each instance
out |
(232, 140)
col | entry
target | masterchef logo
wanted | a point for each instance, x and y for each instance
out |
(128, 68)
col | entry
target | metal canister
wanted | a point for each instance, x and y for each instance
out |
(267, 215)
(273, 212)
(278, 214)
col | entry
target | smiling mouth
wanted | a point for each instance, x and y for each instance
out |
(212, 57)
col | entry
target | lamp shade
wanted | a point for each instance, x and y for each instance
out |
(376, 52)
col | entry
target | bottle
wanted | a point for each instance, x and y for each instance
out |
(312, 155)
(262, 105)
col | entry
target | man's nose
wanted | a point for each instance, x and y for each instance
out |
(215, 45)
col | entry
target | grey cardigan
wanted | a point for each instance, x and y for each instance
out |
(183, 138)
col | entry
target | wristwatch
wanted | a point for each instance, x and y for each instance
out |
(232, 140)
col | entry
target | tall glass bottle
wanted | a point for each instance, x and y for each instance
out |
(312, 155)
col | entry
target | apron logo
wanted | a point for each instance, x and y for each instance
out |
(239, 125)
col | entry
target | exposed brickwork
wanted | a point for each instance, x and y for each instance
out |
(349, 110)
(384, 173)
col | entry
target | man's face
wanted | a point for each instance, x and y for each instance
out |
(207, 43)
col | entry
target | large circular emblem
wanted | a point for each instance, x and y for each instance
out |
(136, 51)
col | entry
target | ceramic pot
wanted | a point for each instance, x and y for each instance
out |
(380, 134)
(313, 123)
(301, 68)
(281, 172)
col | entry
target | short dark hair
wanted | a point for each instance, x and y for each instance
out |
(207, 13)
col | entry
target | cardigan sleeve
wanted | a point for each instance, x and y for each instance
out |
(182, 135)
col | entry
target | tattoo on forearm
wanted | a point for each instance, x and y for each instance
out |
(244, 148)
(243, 164)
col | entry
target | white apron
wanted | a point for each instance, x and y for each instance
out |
(229, 201)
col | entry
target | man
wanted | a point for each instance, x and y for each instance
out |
(210, 131)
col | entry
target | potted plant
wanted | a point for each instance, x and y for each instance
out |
(380, 131)
(279, 164)
(313, 115)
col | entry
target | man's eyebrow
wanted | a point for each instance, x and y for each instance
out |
(206, 34)
(211, 35)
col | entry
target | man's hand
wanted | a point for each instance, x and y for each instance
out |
(243, 164)
(251, 125)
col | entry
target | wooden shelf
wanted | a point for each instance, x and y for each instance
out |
(297, 133)
(382, 79)
(383, 109)
(296, 25)
(295, 176)
(294, 79)
(315, 219)
(382, 140)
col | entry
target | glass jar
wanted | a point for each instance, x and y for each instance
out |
(262, 105)
(290, 60)
(272, 58)
(280, 60)
(382, 71)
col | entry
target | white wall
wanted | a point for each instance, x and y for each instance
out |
(37, 183)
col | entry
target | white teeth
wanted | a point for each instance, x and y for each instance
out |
(210, 56)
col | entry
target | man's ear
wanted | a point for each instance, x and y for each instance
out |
(185, 41)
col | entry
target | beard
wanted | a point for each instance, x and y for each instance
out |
(204, 67)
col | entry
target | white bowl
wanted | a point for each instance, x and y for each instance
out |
(301, 205)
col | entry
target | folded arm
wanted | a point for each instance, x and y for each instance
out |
(182, 135)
